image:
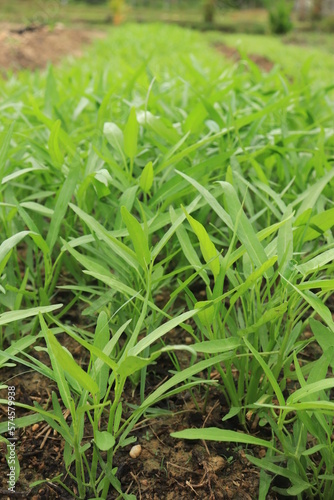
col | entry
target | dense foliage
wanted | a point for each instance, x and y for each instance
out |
(280, 17)
(149, 166)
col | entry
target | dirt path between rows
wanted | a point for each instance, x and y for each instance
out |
(232, 53)
(35, 46)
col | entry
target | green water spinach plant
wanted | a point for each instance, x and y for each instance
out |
(218, 316)
(17, 292)
(263, 305)
(98, 392)
(301, 448)
(95, 397)
(269, 266)
(271, 339)
(303, 425)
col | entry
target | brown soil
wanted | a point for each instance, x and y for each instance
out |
(232, 53)
(35, 46)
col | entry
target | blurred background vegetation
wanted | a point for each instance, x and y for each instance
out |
(297, 35)
(232, 16)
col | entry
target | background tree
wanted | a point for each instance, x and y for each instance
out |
(209, 11)
(302, 9)
(117, 7)
(317, 9)
(280, 16)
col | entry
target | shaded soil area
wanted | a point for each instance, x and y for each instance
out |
(232, 53)
(34, 47)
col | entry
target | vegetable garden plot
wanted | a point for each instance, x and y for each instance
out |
(161, 208)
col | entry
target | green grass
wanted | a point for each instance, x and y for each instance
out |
(154, 164)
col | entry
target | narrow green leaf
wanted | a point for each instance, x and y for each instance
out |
(87, 262)
(268, 316)
(308, 389)
(57, 156)
(101, 339)
(147, 177)
(323, 335)
(159, 332)
(131, 135)
(21, 422)
(186, 245)
(208, 249)
(316, 303)
(114, 136)
(317, 262)
(64, 196)
(7, 246)
(58, 373)
(267, 371)
(233, 412)
(138, 238)
(10, 316)
(217, 346)
(117, 246)
(21, 172)
(322, 284)
(69, 366)
(5, 139)
(285, 241)
(317, 225)
(312, 194)
(314, 449)
(158, 126)
(211, 200)
(221, 435)
(180, 377)
(38, 208)
(243, 227)
(132, 364)
(51, 96)
(206, 315)
(16, 347)
(252, 279)
(102, 356)
(280, 471)
(63, 136)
